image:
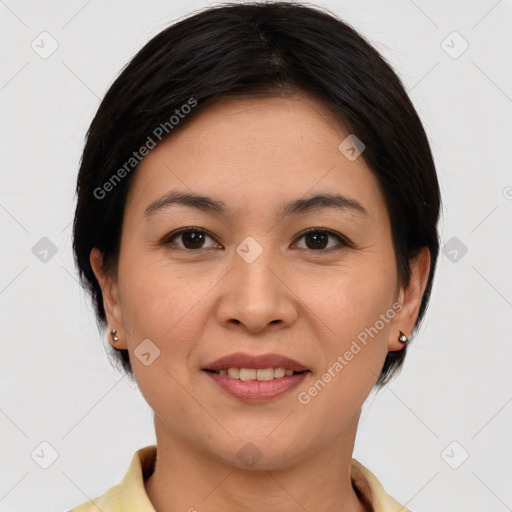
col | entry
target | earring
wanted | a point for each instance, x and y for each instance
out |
(113, 332)
(403, 338)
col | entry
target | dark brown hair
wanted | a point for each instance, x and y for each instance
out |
(258, 49)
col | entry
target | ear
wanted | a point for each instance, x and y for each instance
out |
(410, 298)
(111, 302)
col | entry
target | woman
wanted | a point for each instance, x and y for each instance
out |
(257, 225)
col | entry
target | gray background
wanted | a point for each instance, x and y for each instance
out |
(58, 386)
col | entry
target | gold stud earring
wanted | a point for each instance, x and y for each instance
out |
(403, 338)
(113, 333)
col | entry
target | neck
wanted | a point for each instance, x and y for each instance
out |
(188, 478)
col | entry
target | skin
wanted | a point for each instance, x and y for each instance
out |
(197, 305)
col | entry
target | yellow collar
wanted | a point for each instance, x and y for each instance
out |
(130, 494)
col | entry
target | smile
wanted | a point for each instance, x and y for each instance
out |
(261, 374)
(250, 385)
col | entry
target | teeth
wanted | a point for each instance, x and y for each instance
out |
(265, 373)
(234, 373)
(280, 372)
(247, 373)
(261, 374)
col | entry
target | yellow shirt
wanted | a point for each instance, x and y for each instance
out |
(130, 495)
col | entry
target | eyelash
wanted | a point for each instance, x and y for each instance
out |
(168, 240)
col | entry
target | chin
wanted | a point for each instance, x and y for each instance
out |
(258, 451)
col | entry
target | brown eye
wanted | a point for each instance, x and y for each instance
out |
(190, 238)
(316, 239)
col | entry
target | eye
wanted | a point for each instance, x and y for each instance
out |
(190, 238)
(317, 239)
(193, 238)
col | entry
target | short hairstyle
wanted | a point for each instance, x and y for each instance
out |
(257, 49)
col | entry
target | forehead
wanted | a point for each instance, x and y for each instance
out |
(256, 152)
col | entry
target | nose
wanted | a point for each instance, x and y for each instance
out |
(256, 295)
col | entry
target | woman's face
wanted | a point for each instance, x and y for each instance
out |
(247, 279)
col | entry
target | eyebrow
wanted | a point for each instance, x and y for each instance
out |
(295, 207)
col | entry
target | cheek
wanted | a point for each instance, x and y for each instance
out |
(166, 306)
(352, 338)
(352, 311)
(352, 299)
(159, 299)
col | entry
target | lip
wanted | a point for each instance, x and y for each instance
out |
(255, 390)
(242, 360)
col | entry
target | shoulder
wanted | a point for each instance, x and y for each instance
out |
(109, 502)
(130, 490)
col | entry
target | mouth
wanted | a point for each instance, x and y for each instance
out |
(246, 363)
(256, 378)
(260, 374)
